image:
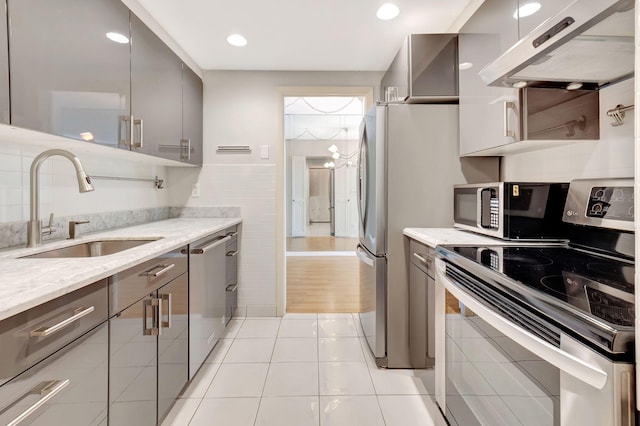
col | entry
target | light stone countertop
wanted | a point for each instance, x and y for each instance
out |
(25, 283)
(439, 236)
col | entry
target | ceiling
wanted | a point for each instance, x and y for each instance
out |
(302, 35)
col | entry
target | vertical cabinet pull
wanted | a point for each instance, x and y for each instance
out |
(46, 390)
(508, 105)
(167, 298)
(185, 149)
(47, 331)
(125, 125)
(155, 305)
(140, 126)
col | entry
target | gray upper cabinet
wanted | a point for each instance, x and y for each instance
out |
(191, 117)
(4, 67)
(488, 115)
(67, 77)
(156, 94)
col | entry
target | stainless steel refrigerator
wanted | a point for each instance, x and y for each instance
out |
(408, 164)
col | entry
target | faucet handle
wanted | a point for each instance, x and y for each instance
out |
(72, 227)
(49, 229)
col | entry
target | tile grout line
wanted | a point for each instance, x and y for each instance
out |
(264, 384)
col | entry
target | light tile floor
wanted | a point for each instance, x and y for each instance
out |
(302, 369)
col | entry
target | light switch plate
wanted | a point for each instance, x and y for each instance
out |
(195, 190)
(264, 152)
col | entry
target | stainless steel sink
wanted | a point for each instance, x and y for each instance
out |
(91, 249)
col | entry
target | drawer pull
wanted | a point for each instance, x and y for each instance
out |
(423, 259)
(167, 298)
(47, 390)
(47, 331)
(232, 234)
(214, 244)
(232, 287)
(232, 253)
(164, 269)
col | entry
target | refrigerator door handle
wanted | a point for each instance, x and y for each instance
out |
(362, 178)
(363, 256)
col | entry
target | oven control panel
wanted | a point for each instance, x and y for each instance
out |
(604, 203)
(612, 202)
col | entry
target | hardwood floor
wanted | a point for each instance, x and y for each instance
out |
(321, 243)
(324, 284)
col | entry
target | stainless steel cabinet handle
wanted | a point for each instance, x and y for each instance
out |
(185, 149)
(167, 298)
(214, 244)
(140, 125)
(232, 234)
(162, 271)
(232, 253)
(508, 105)
(156, 308)
(232, 287)
(423, 259)
(128, 131)
(47, 390)
(47, 331)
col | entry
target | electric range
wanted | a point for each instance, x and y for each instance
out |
(543, 333)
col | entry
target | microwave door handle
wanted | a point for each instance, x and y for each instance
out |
(479, 208)
(570, 364)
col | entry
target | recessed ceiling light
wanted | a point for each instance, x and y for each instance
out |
(526, 10)
(118, 38)
(387, 11)
(237, 40)
(465, 66)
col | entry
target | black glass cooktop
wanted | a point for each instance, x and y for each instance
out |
(599, 286)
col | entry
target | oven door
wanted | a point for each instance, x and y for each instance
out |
(494, 371)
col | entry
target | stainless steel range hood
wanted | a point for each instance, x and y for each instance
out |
(590, 44)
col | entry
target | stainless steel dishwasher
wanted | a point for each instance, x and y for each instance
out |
(207, 296)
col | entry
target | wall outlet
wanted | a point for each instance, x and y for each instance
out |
(195, 190)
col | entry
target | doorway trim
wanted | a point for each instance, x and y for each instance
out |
(281, 235)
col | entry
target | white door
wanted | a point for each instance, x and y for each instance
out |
(298, 196)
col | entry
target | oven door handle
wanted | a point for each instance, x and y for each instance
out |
(570, 364)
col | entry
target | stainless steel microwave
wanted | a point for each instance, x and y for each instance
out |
(511, 210)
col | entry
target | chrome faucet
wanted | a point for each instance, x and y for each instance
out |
(34, 228)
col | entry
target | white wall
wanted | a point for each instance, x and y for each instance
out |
(611, 156)
(245, 108)
(59, 188)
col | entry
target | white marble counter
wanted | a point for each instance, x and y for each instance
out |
(25, 283)
(439, 236)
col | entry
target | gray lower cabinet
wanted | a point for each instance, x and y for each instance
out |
(55, 361)
(148, 340)
(421, 305)
(67, 77)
